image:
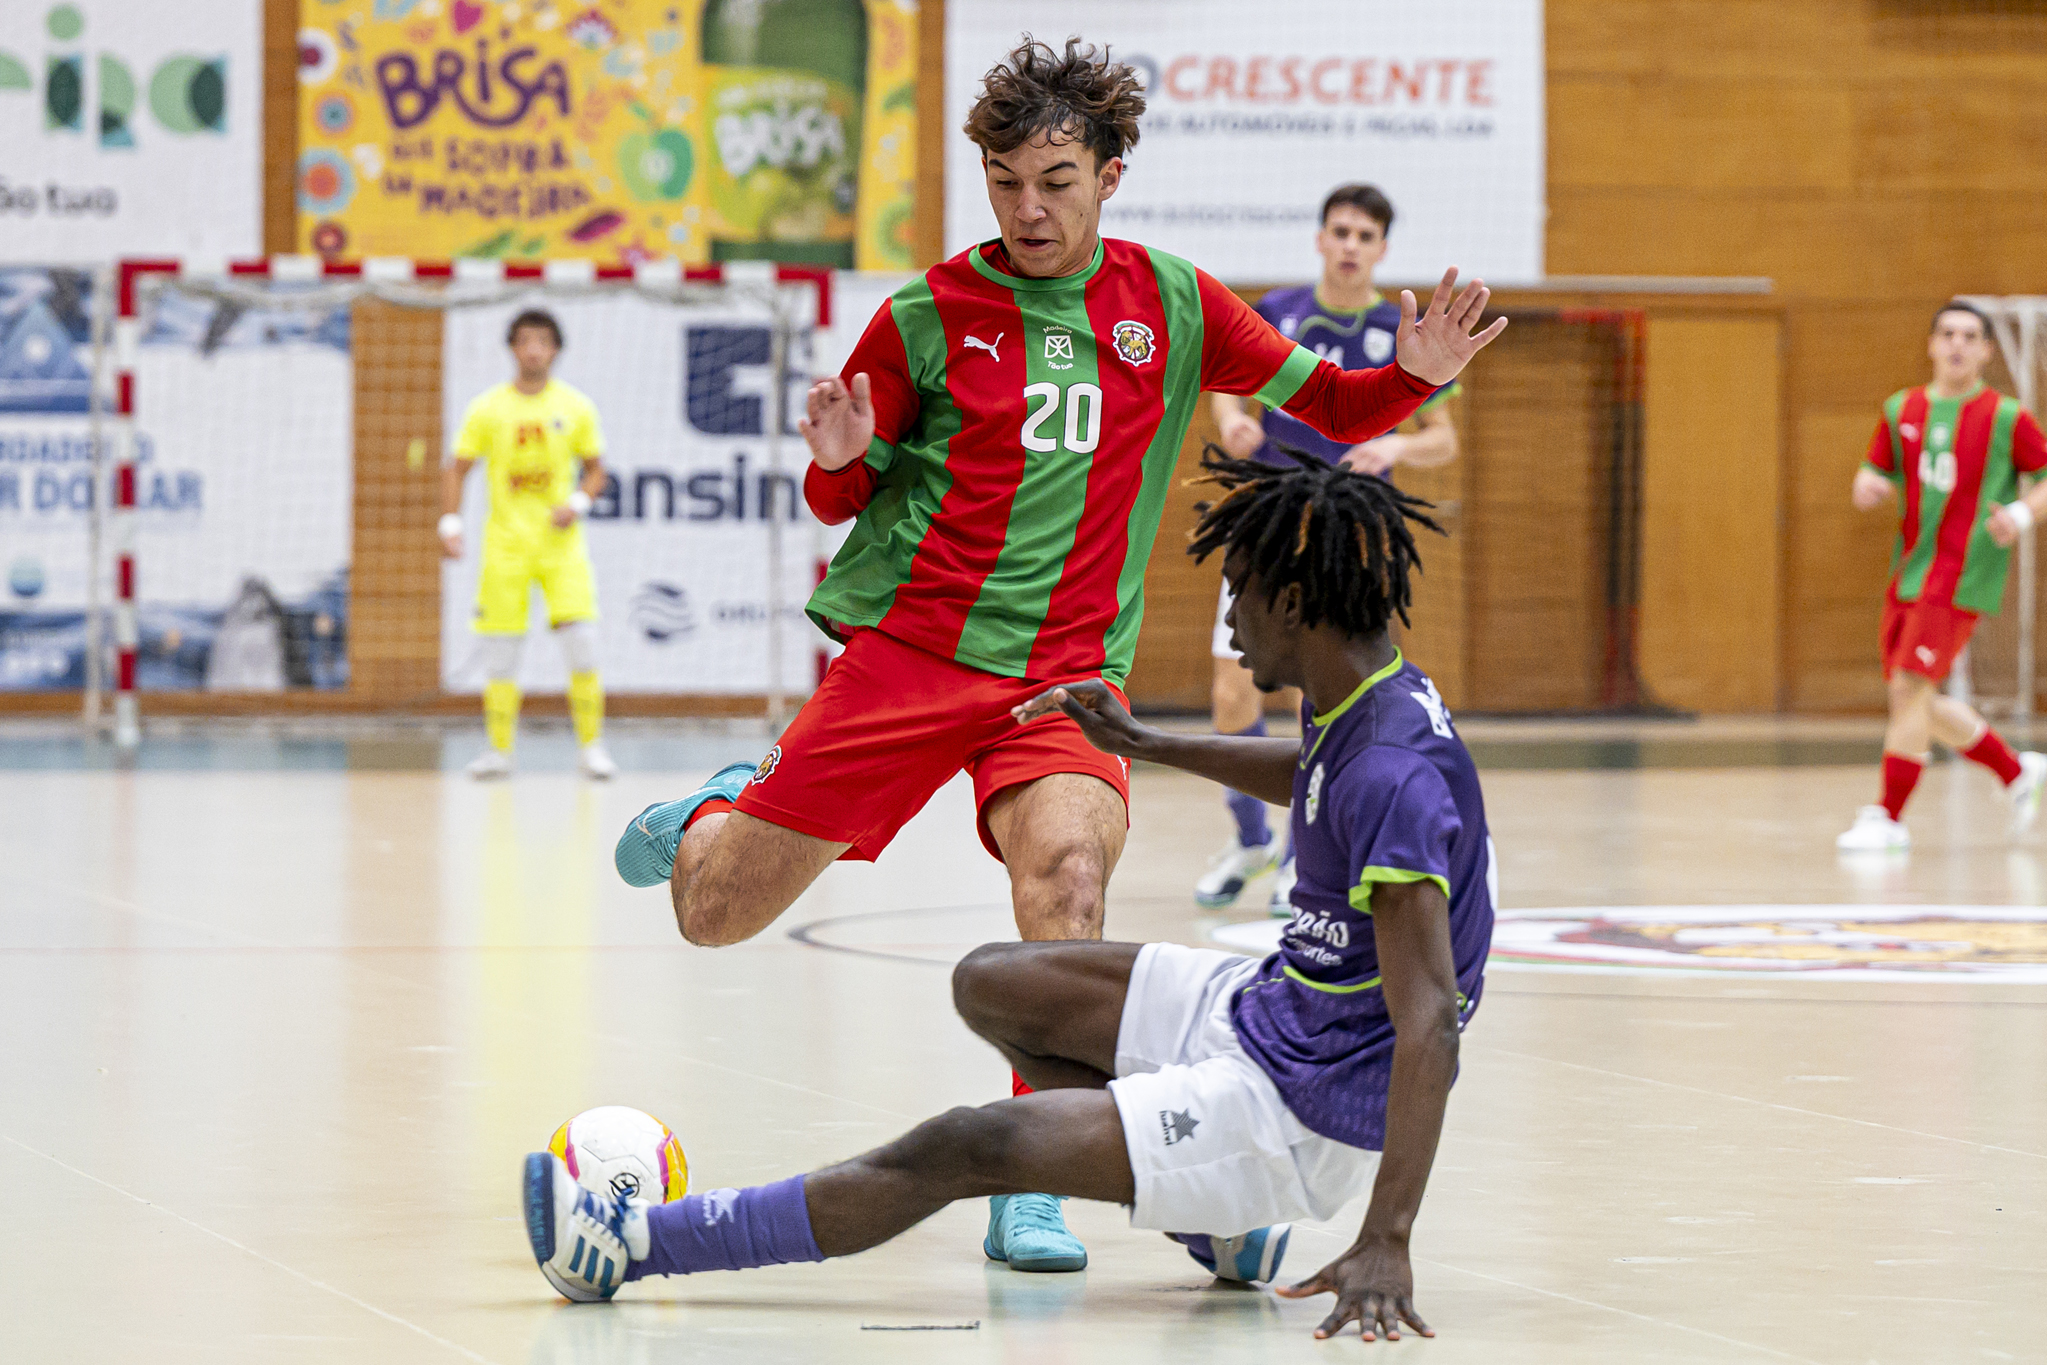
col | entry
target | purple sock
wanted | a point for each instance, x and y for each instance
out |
(1249, 811)
(729, 1230)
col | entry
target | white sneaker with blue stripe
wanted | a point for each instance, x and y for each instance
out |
(1252, 1257)
(646, 851)
(578, 1237)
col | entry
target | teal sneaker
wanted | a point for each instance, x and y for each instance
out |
(646, 851)
(1029, 1232)
(1253, 1257)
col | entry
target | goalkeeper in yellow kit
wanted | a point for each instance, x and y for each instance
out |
(530, 433)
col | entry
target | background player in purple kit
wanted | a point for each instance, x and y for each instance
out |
(1219, 1096)
(1343, 319)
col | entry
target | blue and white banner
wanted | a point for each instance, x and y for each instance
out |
(679, 543)
(244, 489)
(1256, 112)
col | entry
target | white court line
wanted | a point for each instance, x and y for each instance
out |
(1771, 1104)
(251, 1251)
(1583, 1303)
(107, 902)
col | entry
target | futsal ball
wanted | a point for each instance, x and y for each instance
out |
(615, 1150)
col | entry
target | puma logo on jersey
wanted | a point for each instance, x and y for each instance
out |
(976, 343)
(1926, 656)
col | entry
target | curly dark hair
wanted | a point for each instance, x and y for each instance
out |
(1082, 95)
(1344, 537)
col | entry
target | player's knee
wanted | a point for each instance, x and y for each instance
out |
(1066, 891)
(983, 985)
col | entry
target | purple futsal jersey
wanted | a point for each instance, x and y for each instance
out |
(1384, 792)
(1352, 340)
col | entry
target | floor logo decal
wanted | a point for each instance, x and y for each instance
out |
(2005, 944)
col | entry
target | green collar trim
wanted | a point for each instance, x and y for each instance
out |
(1353, 313)
(1031, 283)
(1321, 722)
(1367, 685)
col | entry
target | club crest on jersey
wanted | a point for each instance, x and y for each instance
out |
(1133, 342)
(1058, 347)
(1314, 793)
(767, 766)
(1378, 345)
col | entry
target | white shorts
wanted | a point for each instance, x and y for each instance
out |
(1219, 645)
(1213, 1147)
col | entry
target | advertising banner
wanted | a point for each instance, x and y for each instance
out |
(243, 431)
(679, 544)
(1257, 111)
(703, 130)
(130, 129)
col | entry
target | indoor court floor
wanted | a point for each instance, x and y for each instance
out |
(284, 1008)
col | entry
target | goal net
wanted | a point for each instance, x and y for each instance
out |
(2000, 671)
(280, 430)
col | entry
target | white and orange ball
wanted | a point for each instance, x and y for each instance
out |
(616, 1150)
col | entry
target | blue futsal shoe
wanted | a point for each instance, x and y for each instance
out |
(1253, 1257)
(1029, 1232)
(578, 1238)
(646, 851)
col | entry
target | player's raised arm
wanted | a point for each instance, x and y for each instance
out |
(1374, 1281)
(1242, 353)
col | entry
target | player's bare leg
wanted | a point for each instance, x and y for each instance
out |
(734, 873)
(1962, 729)
(1060, 837)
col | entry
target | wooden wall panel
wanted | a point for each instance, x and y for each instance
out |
(395, 627)
(280, 124)
(1710, 604)
(1873, 157)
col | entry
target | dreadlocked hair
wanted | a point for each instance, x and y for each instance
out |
(1346, 538)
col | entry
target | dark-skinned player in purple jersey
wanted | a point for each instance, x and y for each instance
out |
(1003, 438)
(1218, 1096)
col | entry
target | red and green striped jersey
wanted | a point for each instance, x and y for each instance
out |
(1026, 431)
(1955, 459)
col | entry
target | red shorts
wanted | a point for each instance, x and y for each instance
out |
(1923, 637)
(890, 725)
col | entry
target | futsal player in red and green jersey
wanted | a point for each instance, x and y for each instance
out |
(1003, 437)
(1954, 450)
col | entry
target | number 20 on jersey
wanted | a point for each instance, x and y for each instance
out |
(1081, 406)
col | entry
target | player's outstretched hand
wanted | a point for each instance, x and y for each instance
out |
(1094, 707)
(1374, 1287)
(1437, 347)
(838, 422)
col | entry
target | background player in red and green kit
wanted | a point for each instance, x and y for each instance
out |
(1954, 450)
(1005, 433)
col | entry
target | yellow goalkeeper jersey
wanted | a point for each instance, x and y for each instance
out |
(529, 444)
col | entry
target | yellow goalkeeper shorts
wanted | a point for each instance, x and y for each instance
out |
(505, 589)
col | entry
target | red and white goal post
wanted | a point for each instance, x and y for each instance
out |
(665, 388)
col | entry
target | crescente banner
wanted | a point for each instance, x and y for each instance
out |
(1257, 111)
(130, 128)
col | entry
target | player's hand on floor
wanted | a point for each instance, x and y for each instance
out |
(1374, 1287)
(1094, 707)
(1439, 345)
(838, 422)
